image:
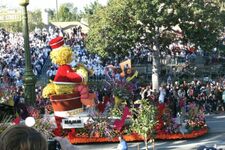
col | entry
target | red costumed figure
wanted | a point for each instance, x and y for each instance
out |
(65, 101)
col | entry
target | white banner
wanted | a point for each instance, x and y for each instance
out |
(70, 123)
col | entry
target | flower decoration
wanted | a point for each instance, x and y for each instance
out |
(195, 117)
(123, 90)
(100, 126)
(44, 126)
(33, 112)
(49, 90)
(170, 126)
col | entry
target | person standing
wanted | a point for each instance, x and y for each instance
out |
(162, 94)
(123, 144)
(223, 97)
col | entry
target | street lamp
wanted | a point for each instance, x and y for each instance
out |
(29, 78)
(57, 10)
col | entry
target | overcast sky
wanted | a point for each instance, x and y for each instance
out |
(40, 4)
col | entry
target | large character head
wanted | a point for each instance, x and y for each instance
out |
(60, 53)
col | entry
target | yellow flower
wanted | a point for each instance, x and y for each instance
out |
(48, 90)
(83, 72)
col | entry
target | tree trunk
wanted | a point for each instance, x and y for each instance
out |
(155, 71)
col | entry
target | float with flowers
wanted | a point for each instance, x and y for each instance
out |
(117, 109)
(102, 129)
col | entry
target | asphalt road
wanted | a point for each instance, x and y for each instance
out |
(215, 137)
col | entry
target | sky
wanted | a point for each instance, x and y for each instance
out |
(42, 4)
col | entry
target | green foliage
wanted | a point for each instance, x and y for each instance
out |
(144, 119)
(122, 93)
(35, 20)
(97, 23)
(89, 10)
(67, 12)
(116, 111)
(204, 24)
(117, 27)
(12, 26)
(5, 122)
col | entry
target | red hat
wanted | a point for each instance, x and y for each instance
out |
(56, 42)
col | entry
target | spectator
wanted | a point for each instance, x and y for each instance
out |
(162, 94)
(123, 144)
(21, 137)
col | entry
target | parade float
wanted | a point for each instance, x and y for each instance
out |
(115, 109)
(84, 118)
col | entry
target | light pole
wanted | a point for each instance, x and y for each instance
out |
(57, 10)
(29, 78)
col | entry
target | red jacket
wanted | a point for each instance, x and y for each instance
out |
(66, 74)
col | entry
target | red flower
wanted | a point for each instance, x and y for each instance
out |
(135, 137)
(57, 132)
(16, 120)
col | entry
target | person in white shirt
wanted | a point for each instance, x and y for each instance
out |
(162, 94)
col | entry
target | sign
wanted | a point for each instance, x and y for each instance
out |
(10, 17)
(70, 123)
(125, 64)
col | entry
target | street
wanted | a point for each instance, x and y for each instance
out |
(215, 137)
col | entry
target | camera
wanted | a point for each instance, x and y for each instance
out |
(54, 145)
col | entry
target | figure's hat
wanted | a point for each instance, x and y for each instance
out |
(56, 42)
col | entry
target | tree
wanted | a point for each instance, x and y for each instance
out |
(122, 24)
(98, 31)
(144, 120)
(67, 12)
(90, 9)
(35, 20)
(52, 14)
(12, 26)
(64, 13)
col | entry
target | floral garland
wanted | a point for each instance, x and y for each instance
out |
(135, 137)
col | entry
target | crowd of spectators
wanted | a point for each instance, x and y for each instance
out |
(208, 95)
(12, 54)
(176, 52)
